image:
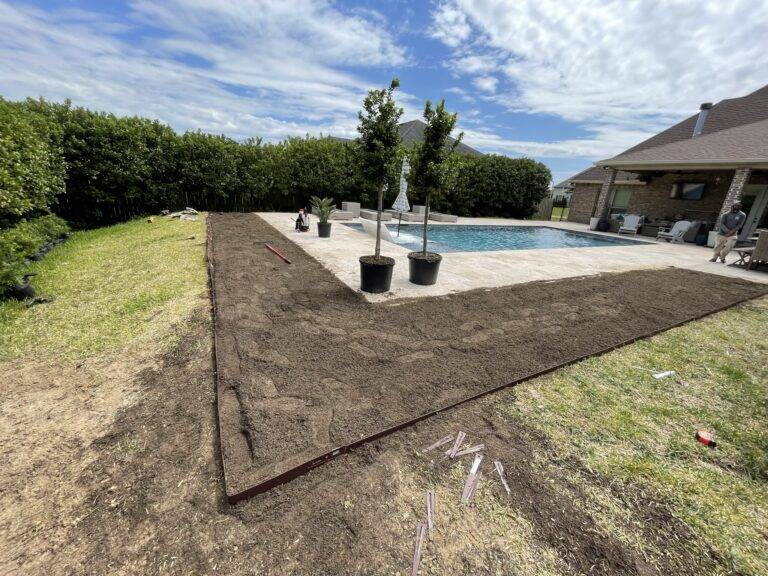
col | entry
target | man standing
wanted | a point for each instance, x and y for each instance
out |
(730, 224)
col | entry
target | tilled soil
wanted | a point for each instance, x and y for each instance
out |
(305, 365)
(151, 501)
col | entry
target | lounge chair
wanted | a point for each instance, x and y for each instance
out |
(631, 224)
(755, 255)
(674, 234)
(371, 215)
(440, 217)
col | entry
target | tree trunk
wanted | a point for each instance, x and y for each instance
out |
(378, 220)
(426, 218)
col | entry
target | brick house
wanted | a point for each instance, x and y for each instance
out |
(694, 171)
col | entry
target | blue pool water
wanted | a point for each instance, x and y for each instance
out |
(468, 238)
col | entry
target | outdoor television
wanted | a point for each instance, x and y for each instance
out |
(687, 190)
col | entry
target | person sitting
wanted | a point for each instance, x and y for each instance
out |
(302, 220)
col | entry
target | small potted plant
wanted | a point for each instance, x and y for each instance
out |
(323, 208)
(379, 141)
(428, 175)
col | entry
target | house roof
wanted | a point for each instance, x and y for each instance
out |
(734, 133)
(730, 148)
(594, 175)
(413, 132)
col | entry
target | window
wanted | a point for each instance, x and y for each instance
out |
(619, 203)
(687, 190)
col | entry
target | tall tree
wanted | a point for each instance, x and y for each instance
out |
(379, 140)
(429, 170)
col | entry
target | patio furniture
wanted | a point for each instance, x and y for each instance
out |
(674, 234)
(341, 215)
(631, 224)
(371, 215)
(418, 209)
(440, 217)
(753, 256)
(406, 216)
(353, 207)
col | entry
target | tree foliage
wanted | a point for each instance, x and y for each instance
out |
(429, 170)
(379, 141)
(31, 170)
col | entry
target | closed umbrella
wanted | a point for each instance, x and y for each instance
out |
(401, 202)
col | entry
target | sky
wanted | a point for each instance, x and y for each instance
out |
(566, 83)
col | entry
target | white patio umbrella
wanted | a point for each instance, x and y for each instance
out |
(401, 202)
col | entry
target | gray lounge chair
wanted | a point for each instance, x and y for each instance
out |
(674, 234)
(631, 224)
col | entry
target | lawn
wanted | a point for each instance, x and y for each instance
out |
(153, 478)
(110, 286)
(559, 213)
(613, 415)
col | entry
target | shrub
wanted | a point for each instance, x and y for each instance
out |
(22, 241)
(494, 185)
(31, 172)
(117, 168)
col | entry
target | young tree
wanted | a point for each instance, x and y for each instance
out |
(379, 140)
(429, 166)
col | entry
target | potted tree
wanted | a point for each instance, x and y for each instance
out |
(323, 208)
(379, 140)
(428, 176)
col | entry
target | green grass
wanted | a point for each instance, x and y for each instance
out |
(614, 416)
(559, 213)
(111, 286)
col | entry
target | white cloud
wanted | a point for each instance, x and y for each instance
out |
(610, 65)
(245, 68)
(486, 83)
(474, 64)
(450, 25)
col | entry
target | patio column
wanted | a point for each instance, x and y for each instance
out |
(601, 205)
(740, 179)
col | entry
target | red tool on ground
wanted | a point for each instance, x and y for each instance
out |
(706, 438)
(276, 252)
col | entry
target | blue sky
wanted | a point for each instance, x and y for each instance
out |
(563, 82)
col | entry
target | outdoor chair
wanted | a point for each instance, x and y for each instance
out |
(674, 234)
(631, 224)
(755, 255)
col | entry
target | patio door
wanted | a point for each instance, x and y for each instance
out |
(755, 200)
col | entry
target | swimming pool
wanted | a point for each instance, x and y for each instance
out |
(479, 238)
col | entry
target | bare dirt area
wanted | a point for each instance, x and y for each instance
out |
(306, 365)
(146, 496)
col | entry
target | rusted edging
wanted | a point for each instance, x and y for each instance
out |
(216, 373)
(305, 467)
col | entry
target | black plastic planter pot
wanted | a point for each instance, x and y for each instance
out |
(324, 229)
(376, 273)
(423, 269)
(22, 291)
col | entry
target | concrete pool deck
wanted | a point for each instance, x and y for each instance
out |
(461, 271)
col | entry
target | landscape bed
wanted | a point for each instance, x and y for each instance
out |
(306, 367)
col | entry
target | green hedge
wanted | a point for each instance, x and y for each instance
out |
(31, 168)
(121, 167)
(23, 240)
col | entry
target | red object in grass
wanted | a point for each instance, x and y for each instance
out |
(277, 252)
(706, 438)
